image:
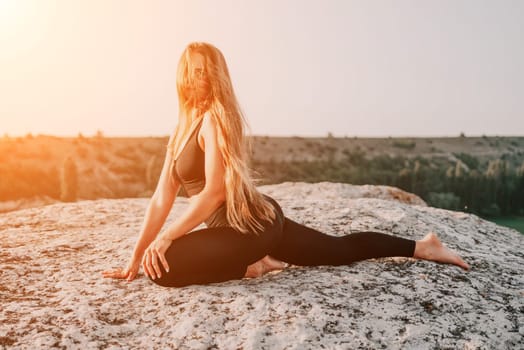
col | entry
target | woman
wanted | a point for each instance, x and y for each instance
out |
(247, 233)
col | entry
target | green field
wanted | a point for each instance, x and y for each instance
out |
(516, 222)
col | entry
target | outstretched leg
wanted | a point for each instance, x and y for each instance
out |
(430, 248)
(305, 246)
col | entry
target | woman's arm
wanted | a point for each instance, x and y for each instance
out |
(212, 195)
(156, 213)
(201, 205)
(158, 208)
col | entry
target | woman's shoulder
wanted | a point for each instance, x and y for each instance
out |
(209, 124)
(208, 117)
(207, 127)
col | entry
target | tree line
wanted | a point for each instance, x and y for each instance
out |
(486, 188)
(491, 189)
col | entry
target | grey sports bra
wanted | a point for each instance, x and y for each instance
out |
(189, 168)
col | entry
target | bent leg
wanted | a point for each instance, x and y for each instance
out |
(305, 246)
(214, 254)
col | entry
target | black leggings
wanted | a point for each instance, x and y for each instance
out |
(217, 254)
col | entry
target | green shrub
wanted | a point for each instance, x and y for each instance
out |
(471, 161)
(492, 210)
(405, 144)
(444, 200)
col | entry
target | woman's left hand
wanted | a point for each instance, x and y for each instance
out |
(153, 254)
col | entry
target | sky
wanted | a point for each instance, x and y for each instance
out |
(299, 68)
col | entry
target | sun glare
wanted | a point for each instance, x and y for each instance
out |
(13, 18)
(9, 9)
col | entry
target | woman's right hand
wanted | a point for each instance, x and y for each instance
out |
(129, 273)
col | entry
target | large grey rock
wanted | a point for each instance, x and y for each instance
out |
(327, 191)
(53, 295)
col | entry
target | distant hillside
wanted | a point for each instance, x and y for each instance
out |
(118, 167)
(337, 148)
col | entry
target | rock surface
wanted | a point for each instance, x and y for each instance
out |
(328, 191)
(52, 293)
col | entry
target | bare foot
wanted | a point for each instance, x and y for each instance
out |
(254, 270)
(430, 248)
(263, 266)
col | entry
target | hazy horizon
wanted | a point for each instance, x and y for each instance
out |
(299, 68)
(93, 135)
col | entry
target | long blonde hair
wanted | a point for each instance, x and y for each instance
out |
(245, 205)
